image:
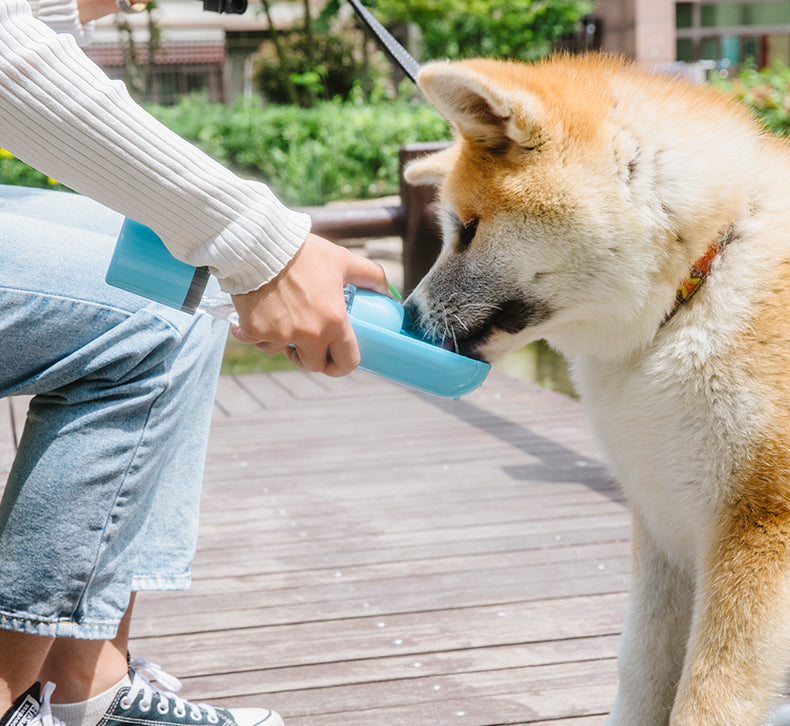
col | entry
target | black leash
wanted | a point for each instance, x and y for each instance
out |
(399, 55)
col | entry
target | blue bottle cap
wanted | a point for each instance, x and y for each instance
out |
(143, 265)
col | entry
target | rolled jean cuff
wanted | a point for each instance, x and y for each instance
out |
(59, 628)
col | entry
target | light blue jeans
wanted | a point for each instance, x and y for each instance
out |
(103, 496)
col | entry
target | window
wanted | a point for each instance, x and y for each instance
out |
(734, 32)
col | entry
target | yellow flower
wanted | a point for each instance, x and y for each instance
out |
(53, 182)
(5, 154)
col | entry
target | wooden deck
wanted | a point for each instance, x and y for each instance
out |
(371, 556)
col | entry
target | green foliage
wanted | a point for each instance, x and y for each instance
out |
(516, 29)
(242, 358)
(766, 92)
(317, 67)
(309, 156)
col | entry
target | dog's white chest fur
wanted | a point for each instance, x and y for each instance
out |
(672, 424)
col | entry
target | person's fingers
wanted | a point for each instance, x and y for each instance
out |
(337, 359)
(253, 338)
(241, 336)
(343, 354)
(364, 273)
(293, 356)
(272, 348)
(304, 306)
(264, 345)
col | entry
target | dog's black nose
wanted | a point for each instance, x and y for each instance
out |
(411, 317)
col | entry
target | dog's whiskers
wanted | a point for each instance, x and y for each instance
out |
(463, 325)
(455, 341)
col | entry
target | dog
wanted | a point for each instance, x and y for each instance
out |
(641, 226)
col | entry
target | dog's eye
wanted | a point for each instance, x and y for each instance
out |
(467, 233)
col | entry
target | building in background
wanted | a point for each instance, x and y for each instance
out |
(195, 50)
(200, 50)
(734, 32)
(725, 33)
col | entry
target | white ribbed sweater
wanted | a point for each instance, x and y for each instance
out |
(62, 115)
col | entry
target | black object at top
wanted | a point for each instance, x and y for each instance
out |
(225, 6)
(393, 48)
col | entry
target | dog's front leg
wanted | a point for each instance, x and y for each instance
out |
(655, 635)
(740, 636)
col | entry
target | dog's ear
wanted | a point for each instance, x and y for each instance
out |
(431, 169)
(481, 109)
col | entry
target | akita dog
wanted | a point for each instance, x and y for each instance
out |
(641, 226)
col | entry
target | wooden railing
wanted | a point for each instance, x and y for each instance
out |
(414, 220)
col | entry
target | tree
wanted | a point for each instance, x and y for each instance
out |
(139, 75)
(515, 29)
(320, 59)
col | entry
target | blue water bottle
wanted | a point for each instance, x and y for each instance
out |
(143, 265)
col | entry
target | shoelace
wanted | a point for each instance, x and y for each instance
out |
(144, 673)
(44, 716)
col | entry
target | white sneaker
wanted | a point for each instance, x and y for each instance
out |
(158, 705)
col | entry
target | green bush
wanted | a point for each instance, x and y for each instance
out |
(766, 92)
(336, 150)
(515, 29)
(329, 67)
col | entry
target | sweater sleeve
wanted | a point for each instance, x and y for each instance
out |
(63, 16)
(61, 115)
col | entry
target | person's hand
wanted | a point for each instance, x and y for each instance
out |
(95, 9)
(304, 307)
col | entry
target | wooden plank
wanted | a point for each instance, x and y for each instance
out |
(372, 637)
(282, 607)
(362, 548)
(401, 667)
(234, 400)
(373, 555)
(545, 564)
(300, 385)
(557, 690)
(222, 590)
(7, 441)
(265, 390)
(326, 442)
(13, 411)
(489, 697)
(450, 484)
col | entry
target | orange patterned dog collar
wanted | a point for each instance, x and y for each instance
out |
(700, 269)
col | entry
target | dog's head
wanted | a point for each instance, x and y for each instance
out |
(550, 208)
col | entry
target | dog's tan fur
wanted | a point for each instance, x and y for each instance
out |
(578, 195)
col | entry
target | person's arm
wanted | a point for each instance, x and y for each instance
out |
(94, 9)
(72, 16)
(63, 116)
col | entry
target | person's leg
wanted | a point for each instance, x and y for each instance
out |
(21, 656)
(83, 669)
(102, 499)
(123, 394)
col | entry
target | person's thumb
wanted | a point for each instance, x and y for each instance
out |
(367, 274)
